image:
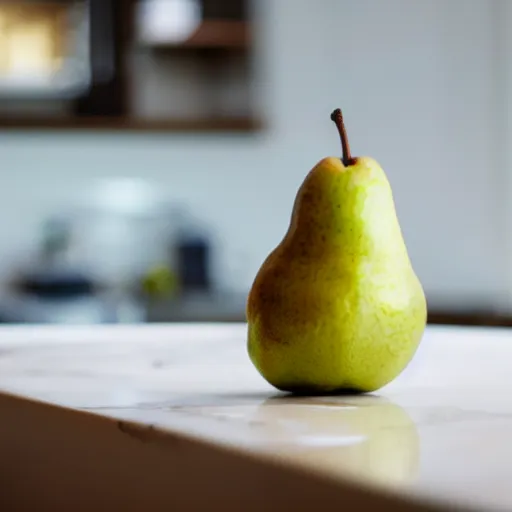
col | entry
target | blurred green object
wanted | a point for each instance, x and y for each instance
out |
(159, 282)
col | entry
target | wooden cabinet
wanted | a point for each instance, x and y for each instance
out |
(178, 65)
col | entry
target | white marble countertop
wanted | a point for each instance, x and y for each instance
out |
(442, 431)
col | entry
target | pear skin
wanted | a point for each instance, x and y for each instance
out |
(337, 306)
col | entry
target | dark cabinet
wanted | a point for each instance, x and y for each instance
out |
(180, 65)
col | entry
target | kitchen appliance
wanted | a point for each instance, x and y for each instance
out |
(44, 49)
(123, 228)
(166, 21)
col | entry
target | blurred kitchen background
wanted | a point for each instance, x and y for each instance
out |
(150, 150)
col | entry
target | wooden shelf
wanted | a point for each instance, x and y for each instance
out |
(216, 57)
(215, 34)
(485, 318)
(167, 125)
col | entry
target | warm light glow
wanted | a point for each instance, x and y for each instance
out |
(30, 48)
(30, 40)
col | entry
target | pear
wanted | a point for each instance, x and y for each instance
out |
(337, 306)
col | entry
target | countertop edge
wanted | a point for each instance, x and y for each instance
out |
(78, 429)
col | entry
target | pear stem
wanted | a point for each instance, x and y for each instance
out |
(337, 117)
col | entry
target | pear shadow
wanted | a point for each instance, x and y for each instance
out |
(266, 398)
(362, 399)
(304, 392)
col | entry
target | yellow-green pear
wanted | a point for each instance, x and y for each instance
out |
(337, 306)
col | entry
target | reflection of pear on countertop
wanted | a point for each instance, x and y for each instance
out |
(368, 437)
(337, 305)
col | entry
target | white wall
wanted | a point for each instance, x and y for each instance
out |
(421, 87)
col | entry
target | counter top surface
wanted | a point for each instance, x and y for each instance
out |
(442, 430)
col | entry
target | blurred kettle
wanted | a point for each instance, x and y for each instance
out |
(124, 227)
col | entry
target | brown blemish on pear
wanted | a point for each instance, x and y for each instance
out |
(301, 246)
